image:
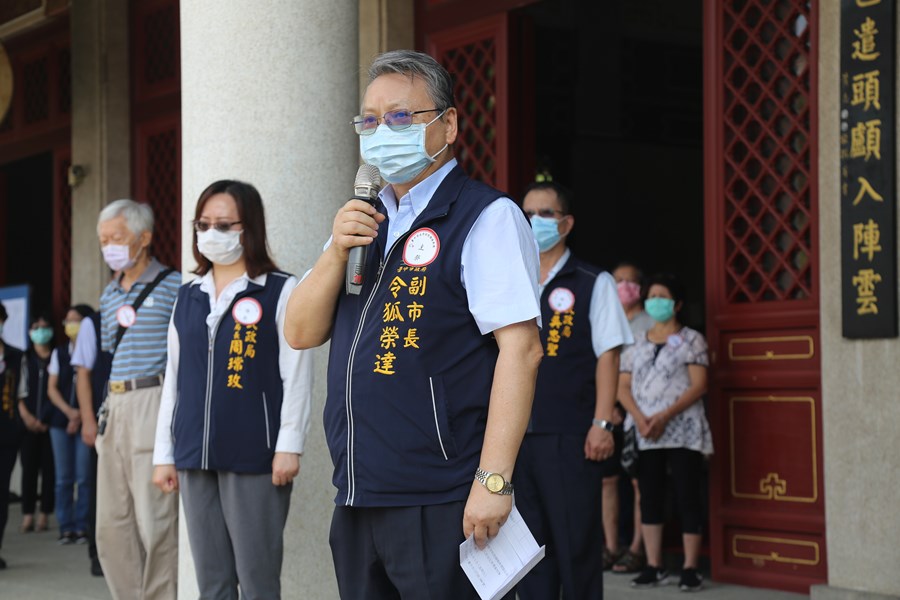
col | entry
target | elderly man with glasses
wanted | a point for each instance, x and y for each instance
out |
(432, 366)
(137, 525)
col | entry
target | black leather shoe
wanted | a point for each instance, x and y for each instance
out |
(2, 564)
(96, 569)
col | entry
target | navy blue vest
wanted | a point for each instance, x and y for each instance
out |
(11, 427)
(37, 402)
(65, 383)
(409, 373)
(228, 404)
(565, 393)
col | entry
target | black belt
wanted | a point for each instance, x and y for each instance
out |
(120, 387)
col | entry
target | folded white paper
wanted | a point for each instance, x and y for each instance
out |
(505, 560)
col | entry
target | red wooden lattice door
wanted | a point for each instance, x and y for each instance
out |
(38, 122)
(473, 41)
(156, 120)
(766, 495)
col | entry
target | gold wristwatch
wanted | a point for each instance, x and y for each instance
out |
(494, 482)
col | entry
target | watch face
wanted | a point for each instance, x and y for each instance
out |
(494, 483)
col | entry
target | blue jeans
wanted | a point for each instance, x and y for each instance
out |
(72, 460)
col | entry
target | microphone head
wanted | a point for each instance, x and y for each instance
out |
(368, 181)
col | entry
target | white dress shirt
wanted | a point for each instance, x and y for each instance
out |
(500, 260)
(295, 367)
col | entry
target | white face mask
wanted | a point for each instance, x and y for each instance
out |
(220, 247)
(117, 256)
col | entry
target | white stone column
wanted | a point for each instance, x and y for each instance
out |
(268, 91)
(100, 132)
(860, 411)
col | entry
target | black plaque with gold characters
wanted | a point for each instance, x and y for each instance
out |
(868, 181)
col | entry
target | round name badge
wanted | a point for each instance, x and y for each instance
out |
(421, 248)
(674, 340)
(561, 299)
(247, 311)
(126, 315)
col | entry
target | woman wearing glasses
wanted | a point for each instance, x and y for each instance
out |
(235, 405)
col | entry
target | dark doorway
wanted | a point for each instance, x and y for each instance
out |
(618, 119)
(26, 204)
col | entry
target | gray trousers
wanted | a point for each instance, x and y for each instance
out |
(235, 525)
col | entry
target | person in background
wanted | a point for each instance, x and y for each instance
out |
(243, 400)
(663, 378)
(628, 284)
(72, 458)
(91, 364)
(137, 524)
(10, 423)
(569, 446)
(35, 410)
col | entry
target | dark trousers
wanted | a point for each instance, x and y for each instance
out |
(37, 457)
(8, 454)
(686, 467)
(92, 506)
(558, 493)
(408, 553)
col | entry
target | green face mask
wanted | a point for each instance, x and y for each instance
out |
(661, 309)
(41, 335)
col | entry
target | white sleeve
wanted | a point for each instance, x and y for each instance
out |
(164, 448)
(85, 353)
(53, 367)
(501, 267)
(609, 325)
(23, 378)
(295, 367)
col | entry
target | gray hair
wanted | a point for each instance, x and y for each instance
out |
(138, 217)
(417, 64)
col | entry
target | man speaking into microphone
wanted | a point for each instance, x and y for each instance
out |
(433, 362)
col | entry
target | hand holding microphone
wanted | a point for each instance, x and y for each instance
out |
(358, 224)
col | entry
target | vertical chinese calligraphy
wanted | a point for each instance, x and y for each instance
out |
(868, 182)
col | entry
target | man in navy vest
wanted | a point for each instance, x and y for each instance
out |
(569, 444)
(432, 366)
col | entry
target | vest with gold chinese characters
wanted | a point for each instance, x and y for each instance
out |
(229, 391)
(565, 392)
(409, 373)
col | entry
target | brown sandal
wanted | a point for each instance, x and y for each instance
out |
(630, 562)
(610, 558)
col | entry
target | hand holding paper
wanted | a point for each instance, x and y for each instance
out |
(505, 559)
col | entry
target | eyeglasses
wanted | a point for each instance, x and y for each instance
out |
(221, 226)
(397, 120)
(547, 213)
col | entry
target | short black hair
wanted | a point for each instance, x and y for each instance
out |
(41, 315)
(668, 281)
(84, 310)
(3, 314)
(562, 193)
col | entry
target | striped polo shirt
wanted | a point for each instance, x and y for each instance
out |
(142, 351)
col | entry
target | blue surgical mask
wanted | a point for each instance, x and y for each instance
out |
(41, 335)
(661, 309)
(399, 155)
(546, 232)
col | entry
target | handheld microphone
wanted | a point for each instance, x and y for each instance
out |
(365, 188)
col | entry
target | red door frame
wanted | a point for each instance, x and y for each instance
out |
(765, 354)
